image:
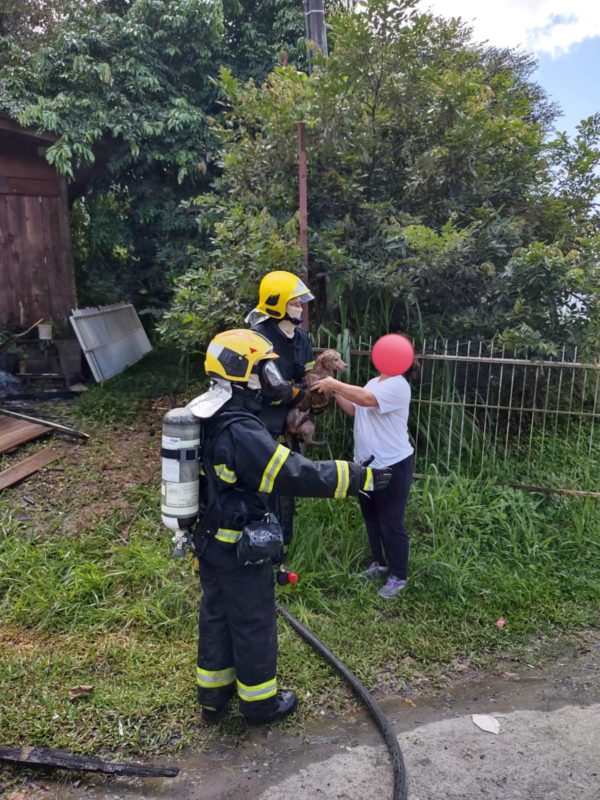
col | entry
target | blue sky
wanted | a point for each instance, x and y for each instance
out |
(574, 81)
(563, 34)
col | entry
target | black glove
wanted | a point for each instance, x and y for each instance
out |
(381, 477)
(373, 479)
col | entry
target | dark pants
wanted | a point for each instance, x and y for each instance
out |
(237, 632)
(383, 513)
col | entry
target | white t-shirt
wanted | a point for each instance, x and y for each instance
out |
(383, 431)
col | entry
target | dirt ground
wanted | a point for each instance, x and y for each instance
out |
(548, 747)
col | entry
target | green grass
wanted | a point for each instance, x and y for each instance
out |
(567, 459)
(122, 398)
(104, 603)
(479, 551)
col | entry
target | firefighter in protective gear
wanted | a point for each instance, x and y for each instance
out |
(242, 466)
(277, 316)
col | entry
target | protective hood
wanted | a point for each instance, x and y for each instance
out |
(206, 405)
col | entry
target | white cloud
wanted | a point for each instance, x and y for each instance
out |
(542, 26)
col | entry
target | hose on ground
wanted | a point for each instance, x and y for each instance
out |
(381, 721)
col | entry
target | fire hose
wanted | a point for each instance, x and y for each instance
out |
(381, 721)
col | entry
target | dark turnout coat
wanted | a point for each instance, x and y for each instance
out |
(243, 465)
(295, 360)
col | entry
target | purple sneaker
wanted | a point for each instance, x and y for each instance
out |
(374, 570)
(393, 587)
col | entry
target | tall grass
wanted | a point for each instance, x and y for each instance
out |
(117, 612)
(109, 607)
(95, 582)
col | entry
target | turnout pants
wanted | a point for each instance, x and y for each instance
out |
(237, 646)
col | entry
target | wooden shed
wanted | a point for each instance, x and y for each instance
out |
(37, 280)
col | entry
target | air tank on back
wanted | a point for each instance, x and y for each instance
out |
(180, 488)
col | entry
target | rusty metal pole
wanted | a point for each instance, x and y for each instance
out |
(303, 206)
(316, 39)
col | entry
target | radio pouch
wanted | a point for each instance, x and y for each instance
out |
(260, 542)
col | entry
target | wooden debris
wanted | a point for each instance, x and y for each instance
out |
(14, 432)
(83, 690)
(28, 466)
(62, 759)
(54, 425)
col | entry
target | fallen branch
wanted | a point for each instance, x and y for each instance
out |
(62, 759)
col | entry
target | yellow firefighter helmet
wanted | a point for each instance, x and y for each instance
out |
(234, 354)
(277, 289)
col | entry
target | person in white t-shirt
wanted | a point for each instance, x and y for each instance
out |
(380, 411)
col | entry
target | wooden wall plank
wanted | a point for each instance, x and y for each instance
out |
(18, 259)
(36, 257)
(29, 186)
(32, 235)
(15, 166)
(20, 434)
(65, 250)
(37, 278)
(16, 473)
(8, 300)
(25, 134)
(61, 298)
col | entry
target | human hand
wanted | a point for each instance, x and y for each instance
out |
(325, 385)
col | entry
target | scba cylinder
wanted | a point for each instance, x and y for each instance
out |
(180, 455)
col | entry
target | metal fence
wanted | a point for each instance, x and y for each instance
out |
(480, 410)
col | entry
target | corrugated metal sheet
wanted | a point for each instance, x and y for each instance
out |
(111, 337)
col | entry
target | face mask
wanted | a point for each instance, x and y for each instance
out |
(294, 310)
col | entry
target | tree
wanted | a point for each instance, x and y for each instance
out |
(128, 87)
(28, 22)
(259, 33)
(435, 185)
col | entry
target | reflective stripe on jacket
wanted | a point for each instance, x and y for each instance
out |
(248, 465)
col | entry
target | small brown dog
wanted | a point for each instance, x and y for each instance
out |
(298, 422)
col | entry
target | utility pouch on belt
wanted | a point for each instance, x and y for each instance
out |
(260, 542)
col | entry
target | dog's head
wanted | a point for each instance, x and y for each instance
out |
(330, 362)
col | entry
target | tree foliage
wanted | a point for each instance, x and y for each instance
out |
(128, 86)
(440, 200)
(26, 23)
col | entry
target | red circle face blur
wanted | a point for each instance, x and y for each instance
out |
(392, 354)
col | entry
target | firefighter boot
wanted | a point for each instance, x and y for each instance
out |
(284, 704)
(212, 714)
